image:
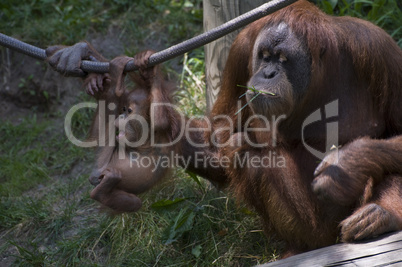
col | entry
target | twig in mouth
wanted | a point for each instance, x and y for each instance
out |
(259, 92)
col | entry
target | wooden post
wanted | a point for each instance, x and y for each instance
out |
(217, 12)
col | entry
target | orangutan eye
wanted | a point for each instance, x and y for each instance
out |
(129, 110)
(266, 54)
(124, 109)
(282, 58)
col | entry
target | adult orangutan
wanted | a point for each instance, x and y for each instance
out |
(298, 61)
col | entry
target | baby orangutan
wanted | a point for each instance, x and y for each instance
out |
(131, 166)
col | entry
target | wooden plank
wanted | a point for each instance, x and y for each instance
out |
(382, 259)
(383, 251)
(217, 12)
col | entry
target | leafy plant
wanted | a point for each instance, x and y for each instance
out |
(385, 13)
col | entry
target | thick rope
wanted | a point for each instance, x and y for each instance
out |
(164, 55)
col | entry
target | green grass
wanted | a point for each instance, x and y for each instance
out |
(46, 215)
(49, 22)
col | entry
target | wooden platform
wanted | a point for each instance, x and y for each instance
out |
(383, 251)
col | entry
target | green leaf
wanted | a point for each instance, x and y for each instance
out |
(166, 204)
(333, 3)
(182, 223)
(194, 177)
(46, 94)
(188, 4)
(196, 251)
(246, 211)
(327, 7)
